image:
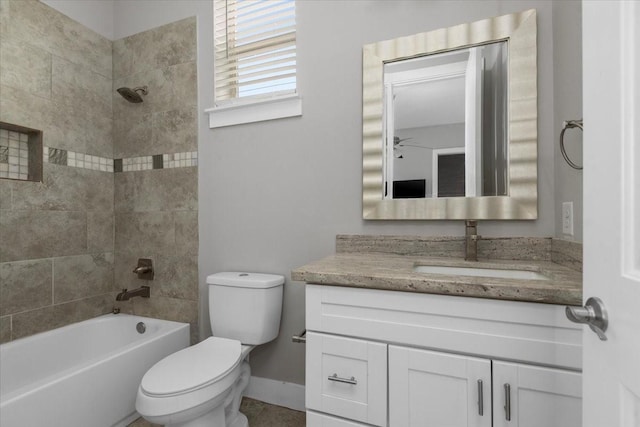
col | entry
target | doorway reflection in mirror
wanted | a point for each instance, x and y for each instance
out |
(446, 117)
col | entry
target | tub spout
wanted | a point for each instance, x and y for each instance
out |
(125, 295)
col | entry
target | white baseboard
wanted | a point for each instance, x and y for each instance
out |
(279, 393)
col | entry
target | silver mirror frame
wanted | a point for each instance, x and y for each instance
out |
(519, 30)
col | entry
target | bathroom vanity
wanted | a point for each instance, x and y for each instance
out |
(391, 345)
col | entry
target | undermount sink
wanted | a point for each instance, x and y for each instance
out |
(480, 272)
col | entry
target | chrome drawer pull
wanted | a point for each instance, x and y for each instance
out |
(338, 379)
(480, 399)
(507, 402)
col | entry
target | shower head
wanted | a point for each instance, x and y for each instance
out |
(133, 95)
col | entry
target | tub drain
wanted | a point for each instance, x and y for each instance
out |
(141, 327)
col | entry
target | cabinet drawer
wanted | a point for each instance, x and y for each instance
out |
(315, 419)
(347, 377)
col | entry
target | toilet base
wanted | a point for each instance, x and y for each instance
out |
(240, 421)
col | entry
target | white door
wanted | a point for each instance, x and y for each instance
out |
(611, 61)
(438, 389)
(534, 396)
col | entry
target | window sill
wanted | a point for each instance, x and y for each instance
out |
(255, 111)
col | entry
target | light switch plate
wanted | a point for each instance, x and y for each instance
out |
(567, 218)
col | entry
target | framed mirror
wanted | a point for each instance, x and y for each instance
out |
(450, 122)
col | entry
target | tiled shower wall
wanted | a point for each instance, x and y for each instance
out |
(67, 244)
(56, 237)
(156, 196)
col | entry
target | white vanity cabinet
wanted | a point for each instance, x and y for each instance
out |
(535, 396)
(446, 389)
(399, 359)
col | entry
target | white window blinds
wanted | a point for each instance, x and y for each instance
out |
(255, 48)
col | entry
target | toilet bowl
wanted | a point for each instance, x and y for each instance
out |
(203, 385)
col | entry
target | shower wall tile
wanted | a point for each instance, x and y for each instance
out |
(25, 285)
(62, 84)
(44, 27)
(5, 329)
(25, 67)
(100, 191)
(79, 100)
(144, 232)
(100, 231)
(6, 187)
(61, 189)
(65, 189)
(155, 133)
(25, 109)
(132, 136)
(186, 226)
(42, 234)
(174, 131)
(68, 75)
(156, 48)
(55, 316)
(177, 276)
(166, 190)
(82, 276)
(156, 210)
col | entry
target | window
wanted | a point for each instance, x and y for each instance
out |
(255, 57)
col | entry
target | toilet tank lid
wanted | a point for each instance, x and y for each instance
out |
(241, 279)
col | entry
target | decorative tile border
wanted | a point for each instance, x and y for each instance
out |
(14, 155)
(74, 159)
(130, 164)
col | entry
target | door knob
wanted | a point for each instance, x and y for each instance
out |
(593, 314)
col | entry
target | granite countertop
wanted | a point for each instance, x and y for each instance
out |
(395, 272)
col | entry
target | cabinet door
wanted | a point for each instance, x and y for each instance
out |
(315, 419)
(431, 389)
(347, 377)
(530, 396)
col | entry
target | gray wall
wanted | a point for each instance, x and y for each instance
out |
(567, 69)
(273, 195)
(297, 182)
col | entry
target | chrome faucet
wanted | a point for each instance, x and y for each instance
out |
(125, 295)
(471, 240)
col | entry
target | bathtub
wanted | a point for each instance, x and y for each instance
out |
(85, 374)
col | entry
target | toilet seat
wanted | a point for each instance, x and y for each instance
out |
(192, 368)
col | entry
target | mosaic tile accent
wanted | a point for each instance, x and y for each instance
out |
(158, 161)
(57, 156)
(141, 163)
(180, 160)
(77, 160)
(14, 155)
(80, 160)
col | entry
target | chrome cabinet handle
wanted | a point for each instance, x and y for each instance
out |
(593, 314)
(480, 399)
(338, 379)
(507, 402)
(300, 338)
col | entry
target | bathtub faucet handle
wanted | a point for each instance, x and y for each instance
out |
(144, 270)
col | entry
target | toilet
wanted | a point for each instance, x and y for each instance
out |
(203, 385)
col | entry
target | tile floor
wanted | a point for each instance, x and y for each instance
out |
(260, 414)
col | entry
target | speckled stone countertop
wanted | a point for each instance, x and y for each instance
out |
(395, 272)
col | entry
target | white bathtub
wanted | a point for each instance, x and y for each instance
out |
(85, 374)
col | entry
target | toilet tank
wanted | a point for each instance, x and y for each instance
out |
(245, 306)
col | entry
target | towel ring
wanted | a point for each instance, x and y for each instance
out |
(569, 124)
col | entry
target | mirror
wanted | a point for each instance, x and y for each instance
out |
(450, 123)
